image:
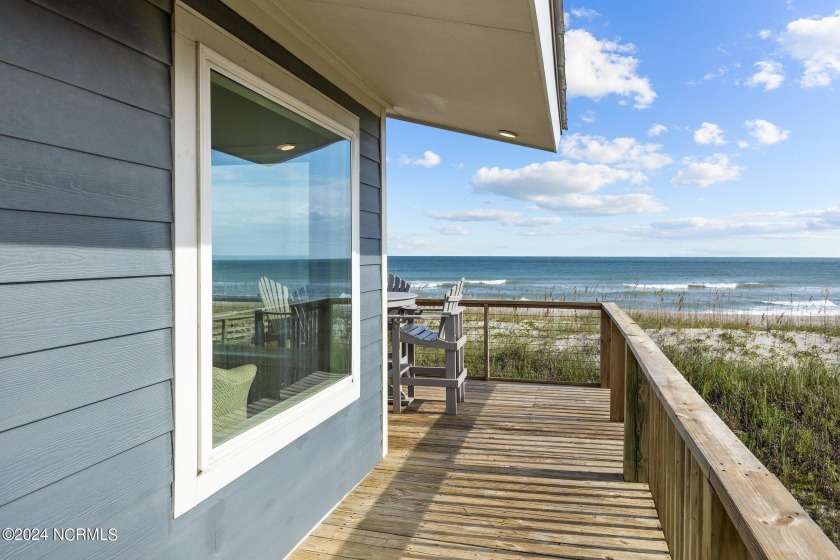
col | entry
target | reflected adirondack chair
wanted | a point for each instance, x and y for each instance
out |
(276, 308)
(449, 337)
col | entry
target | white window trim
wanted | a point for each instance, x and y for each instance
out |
(199, 474)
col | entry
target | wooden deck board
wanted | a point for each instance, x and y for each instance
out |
(522, 472)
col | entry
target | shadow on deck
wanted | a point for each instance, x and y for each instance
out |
(523, 471)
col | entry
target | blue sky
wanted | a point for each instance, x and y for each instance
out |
(695, 129)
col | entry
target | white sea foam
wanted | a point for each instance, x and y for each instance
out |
(682, 287)
(486, 282)
(657, 287)
(822, 303)
(421, 285)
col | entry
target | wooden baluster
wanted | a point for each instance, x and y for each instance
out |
(695, 498)
(617, 355)
(486, 342)
(636, 421)
(679, 483)
(711, 526)
(606, 330)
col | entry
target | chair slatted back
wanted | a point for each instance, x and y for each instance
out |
(275, 296)
(450, 302)
(397, 284)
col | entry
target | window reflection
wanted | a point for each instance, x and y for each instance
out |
(281, 236)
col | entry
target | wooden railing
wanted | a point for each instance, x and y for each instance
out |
(493, 340)
(714, 498)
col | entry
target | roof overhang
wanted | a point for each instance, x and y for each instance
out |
(472, 66)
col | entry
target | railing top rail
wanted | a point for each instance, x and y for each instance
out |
(588, 305)
(770, 521)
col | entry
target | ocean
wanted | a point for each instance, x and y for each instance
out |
(757, 286)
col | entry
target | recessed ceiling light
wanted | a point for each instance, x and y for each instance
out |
(286, 147)
(508, 134)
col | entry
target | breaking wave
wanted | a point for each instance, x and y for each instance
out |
(823, 303)
(486, 282)
(688, 286)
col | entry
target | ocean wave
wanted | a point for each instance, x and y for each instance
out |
(486, 282)
(823, 303)
(425, 285)
(683, 287)
(657, 287)
(775, 312)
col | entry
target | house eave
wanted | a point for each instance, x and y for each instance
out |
(476, 66)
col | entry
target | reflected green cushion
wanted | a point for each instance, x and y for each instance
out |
(230, 395)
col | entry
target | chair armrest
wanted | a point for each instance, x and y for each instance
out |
(402, 317)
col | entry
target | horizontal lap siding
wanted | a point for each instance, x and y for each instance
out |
(85, 269)
(85, 294)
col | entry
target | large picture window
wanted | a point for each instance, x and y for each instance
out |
(266, 284)
(280, 187)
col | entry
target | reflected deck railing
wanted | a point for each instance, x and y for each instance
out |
(714, 498)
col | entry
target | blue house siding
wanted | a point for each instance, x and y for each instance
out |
(86, 349)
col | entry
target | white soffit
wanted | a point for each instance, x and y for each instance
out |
(473, 66)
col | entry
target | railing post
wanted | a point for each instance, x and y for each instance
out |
(606, 326)
(617, 351)
(486, 342)
(636, 421)
(259, 328)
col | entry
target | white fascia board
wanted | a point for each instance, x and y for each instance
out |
(544, 33)
(275, 22)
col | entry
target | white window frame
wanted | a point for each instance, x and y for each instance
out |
(200, 469)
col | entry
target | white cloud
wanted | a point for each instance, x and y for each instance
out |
(585, 13)
(708, 171)
(538, 221)
(815, 43)
(705, 228)
(429, 159)
(826, 219)
(601, 205)
(624, 153)
(407, 244)
(504, 217)
(657, 129)
(551, 178)
(766, 132)
(453, 229)
(596, 68)
(588, 116)
(772, 225)
(743, 144)
(831, 212)
(709, 76)
(566, 187)
(480, 215)
(765, 34)
(769, 75)
(709, 133)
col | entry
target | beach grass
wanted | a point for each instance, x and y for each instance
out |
(788, 415)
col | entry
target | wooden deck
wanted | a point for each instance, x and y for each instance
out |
(523, 471)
